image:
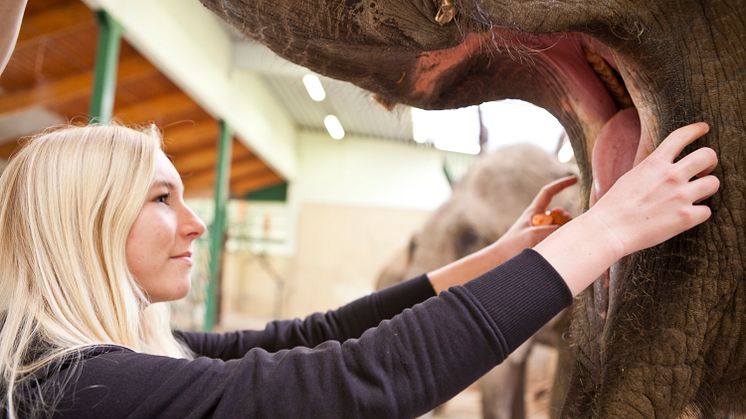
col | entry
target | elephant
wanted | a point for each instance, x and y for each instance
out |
(484, 204)
(663, 333)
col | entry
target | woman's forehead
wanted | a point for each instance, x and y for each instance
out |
(165, 172)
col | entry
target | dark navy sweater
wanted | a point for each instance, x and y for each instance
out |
(396, 353)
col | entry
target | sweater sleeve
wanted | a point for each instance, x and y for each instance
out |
(400, 369)
(346, 322)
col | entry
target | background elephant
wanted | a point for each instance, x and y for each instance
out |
(662, 334)
(484, 204)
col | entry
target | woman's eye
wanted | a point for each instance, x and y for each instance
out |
(162, 198)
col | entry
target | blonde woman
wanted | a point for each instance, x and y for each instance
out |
(95, 234)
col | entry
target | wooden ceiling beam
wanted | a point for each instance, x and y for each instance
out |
(247, 167)
(238, 189)
(71, 87)
(144, 112)
(208, 172)
(181, 138)
(9, 148)
(249, 172)
(255, 183)
(53, 21)
(239, 170)
(197, 161)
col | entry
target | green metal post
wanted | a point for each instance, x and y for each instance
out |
(107, 60)
(217, 229)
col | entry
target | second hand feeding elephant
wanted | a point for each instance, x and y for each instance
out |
(484, 204)
(662, 334)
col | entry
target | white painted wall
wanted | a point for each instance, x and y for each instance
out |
(367, 172)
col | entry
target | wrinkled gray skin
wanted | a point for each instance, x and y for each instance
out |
(668, 337)
(484, 204)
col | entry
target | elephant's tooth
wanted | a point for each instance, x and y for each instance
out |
(614, 84)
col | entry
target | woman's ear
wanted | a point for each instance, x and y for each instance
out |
(11, 14)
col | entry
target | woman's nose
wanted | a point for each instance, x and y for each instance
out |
(194, 227)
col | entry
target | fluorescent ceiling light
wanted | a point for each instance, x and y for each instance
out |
(334, 127)
(314, 87)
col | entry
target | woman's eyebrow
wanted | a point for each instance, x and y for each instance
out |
(161, 183)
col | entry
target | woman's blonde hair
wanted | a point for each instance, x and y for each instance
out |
(68, 200)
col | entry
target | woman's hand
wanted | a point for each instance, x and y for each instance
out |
(522, 234)
(518, 237)
(659, 198)
(656, 200)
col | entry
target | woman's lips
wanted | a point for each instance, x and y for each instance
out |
(184, 257)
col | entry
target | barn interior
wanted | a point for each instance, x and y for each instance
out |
(308, 194)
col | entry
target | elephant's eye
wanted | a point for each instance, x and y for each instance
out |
(412, 247)
(467, 240)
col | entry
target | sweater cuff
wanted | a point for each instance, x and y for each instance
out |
(521, 295)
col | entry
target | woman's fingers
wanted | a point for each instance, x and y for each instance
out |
(700, 162)
(544, 197)
(674, 144)
(699, 214)
(702, 188)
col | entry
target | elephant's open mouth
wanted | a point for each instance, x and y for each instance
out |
(614, 151)
(576, 77)
(579, 79)
(599, 96)
(617, 146)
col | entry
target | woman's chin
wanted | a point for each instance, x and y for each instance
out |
(177, 293)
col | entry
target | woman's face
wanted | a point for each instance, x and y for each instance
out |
(159, 244)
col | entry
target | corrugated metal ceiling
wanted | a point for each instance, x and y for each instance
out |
(354, 107)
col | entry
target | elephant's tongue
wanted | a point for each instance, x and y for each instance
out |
(613, 155)
(614, 150)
